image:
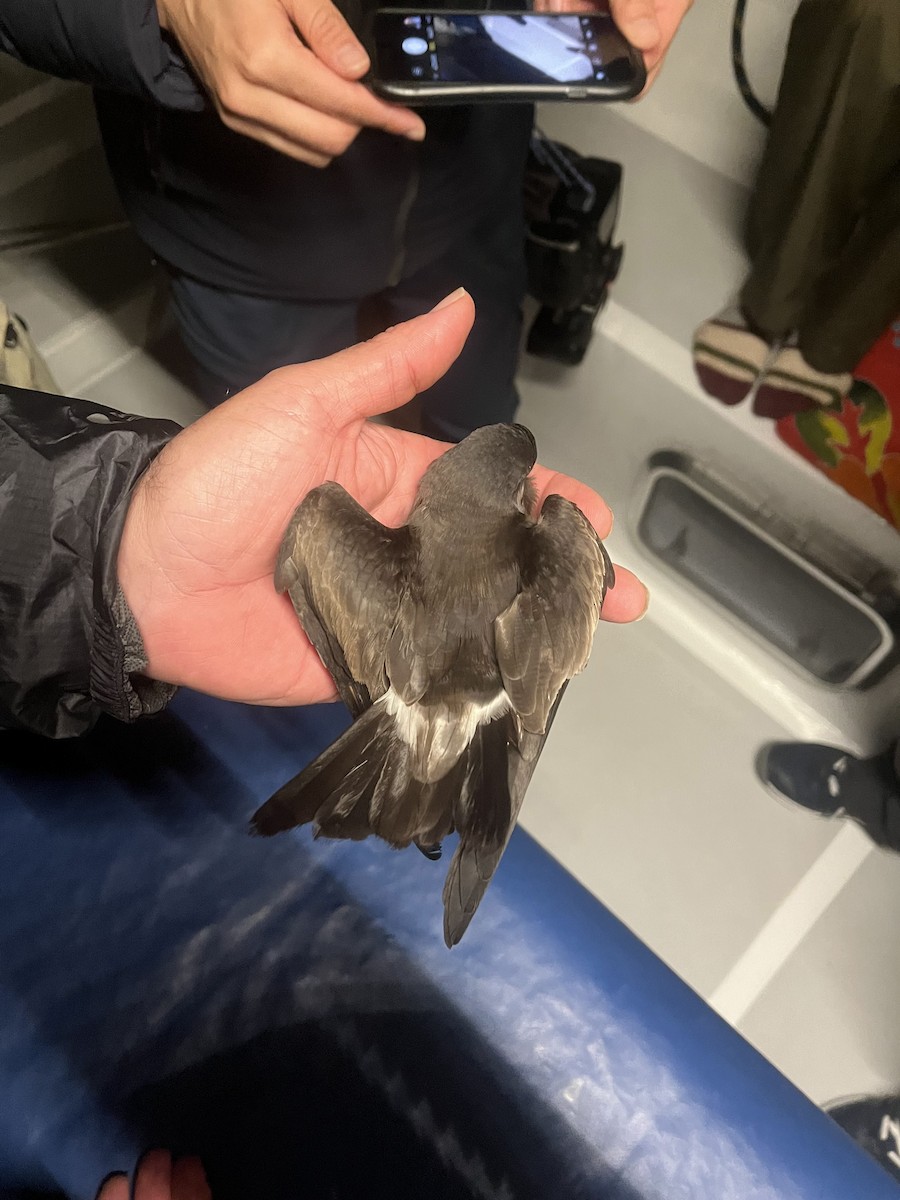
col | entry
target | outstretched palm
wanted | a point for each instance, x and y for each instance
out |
(204, 527)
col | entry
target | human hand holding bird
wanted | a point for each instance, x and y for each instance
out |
(206, 521)
(450, 637)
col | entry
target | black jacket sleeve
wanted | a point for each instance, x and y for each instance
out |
(69, 649)
(115, 45)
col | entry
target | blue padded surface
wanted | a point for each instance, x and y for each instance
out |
(288, 1009)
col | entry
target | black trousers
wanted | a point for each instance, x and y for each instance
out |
(877, 808)
(234, 339)
(824, 222)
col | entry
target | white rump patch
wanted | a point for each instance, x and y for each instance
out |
(436, 736)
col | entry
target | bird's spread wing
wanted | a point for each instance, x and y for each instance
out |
(545, 636)
(344, 572)
(542, 640)
(473, 865)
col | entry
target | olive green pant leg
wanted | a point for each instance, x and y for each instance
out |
(856, 300)
(834, 140)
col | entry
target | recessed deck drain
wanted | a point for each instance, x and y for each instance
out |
(806, 616)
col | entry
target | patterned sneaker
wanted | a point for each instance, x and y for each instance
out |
(728, 356)
(874, 1124)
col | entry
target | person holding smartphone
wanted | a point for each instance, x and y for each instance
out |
(294, 208)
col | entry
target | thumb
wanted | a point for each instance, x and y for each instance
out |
(329, 37)
(388, 371)
(638, 22)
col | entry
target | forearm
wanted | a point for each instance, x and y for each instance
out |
(67, 651)
(116, 45)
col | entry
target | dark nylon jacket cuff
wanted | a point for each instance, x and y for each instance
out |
(116, 45)
(69, 648)
(118, 659)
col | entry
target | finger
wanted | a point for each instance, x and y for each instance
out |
(565, 6)
(654, 66)
(313, 139)
(376, 376)
(295, 73)
(189, 1180)
(329, 37)
(638, 22)
(154, 1176)
(670, 19)
(652, 74)
(305, 131)
(627, 600)
(594, 507)
(115, 1187)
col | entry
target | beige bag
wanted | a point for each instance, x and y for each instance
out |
(20, 364)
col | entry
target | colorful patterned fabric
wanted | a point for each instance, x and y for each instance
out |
(857, 443)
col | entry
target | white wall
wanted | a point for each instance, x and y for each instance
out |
(695, 104)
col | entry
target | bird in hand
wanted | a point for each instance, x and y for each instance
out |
(451, 640)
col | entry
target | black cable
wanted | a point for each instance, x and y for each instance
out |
(555, 157)
(755, 105)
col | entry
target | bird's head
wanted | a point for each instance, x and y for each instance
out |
(487, 470)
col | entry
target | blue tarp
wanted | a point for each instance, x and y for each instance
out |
(288, 1010)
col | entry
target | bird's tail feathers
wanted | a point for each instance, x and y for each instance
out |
(482, 809)
(335, 790)
(363, 784)
(485, 816)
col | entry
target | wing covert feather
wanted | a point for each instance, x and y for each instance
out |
(345, 575)
(545, 636)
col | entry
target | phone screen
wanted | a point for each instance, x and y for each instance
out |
(500, 48)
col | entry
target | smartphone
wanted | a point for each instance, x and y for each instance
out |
(465, 56)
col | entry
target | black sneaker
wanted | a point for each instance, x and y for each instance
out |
(834, 783)
(874, 1124)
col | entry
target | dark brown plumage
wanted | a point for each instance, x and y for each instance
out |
(451, 641)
